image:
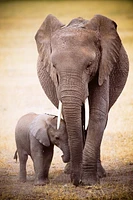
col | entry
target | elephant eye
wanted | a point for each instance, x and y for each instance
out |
(57, 78)
(89, 64)
(54, 66)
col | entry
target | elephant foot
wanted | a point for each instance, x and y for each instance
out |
(90, 179)
(22, 179)
(41, 182)
(67, 169)
(100, 170)
(75, 176)
(75, 179)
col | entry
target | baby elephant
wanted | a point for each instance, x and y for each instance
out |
(36, 136)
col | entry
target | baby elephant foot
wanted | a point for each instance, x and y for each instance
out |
(90, 179)
(100, 170)
(41, 182)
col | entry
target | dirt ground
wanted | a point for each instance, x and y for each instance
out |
(20, 93)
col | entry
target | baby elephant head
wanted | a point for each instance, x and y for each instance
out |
(43, 128)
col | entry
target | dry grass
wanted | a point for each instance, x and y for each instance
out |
(20, 92)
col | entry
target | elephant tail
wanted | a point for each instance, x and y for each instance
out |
(15, 155)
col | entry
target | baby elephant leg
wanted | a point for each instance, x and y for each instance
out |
(42, 157)
(23, 156)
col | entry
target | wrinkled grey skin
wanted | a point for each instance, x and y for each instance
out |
(83, 59)
(36, 136)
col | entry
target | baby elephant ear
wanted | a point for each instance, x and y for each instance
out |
(38, 129)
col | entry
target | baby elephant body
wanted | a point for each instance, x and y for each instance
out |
(36, 136)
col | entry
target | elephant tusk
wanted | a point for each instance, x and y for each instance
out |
(59, 115)
(86, 113)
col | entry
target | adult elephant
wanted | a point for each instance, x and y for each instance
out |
(84, 60)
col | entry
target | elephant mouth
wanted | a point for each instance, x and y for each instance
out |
(86, 103)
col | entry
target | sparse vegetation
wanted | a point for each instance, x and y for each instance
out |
(20, 92)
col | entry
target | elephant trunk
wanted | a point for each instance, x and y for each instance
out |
(72, 94)
(72, 116)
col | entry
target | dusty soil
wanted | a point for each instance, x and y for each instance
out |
(20, 93)
(117, 185)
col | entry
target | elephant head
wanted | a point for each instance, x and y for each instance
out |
(70, 57)
(43, 128)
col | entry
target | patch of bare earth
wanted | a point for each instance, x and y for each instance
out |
(117, 185)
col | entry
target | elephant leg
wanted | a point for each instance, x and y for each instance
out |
(42, 157)
(100, 170)
(99, 103)
(23, 156)
(47, 155)
(41, 176)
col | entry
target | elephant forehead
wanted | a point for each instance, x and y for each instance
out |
(70, 38)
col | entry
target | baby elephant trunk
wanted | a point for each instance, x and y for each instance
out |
(66, 154)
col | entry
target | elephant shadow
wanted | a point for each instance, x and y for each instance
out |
(61, 178)
(121, 175)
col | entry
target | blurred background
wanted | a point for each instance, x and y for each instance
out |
(20, 90)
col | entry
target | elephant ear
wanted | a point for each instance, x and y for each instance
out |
(110, 45)
(39, 128)
(45, 69)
